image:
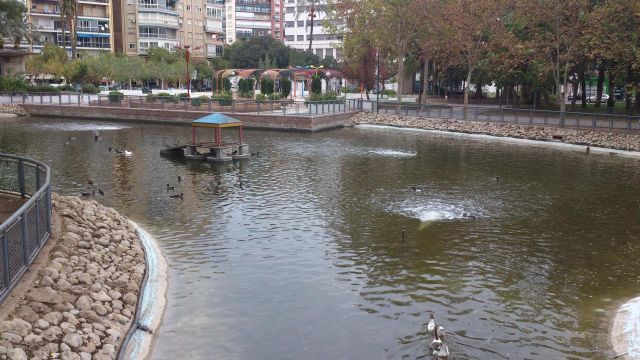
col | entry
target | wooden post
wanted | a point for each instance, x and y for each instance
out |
(193, 135)
(240, 134)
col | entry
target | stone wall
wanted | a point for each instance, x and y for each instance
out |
(83, 300)
(599, 138)
(12, 109)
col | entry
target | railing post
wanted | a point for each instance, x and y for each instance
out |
(40, 99)
(141, 103)
(79, 99)
(59, 99)
(531, 117)
(25, 252)
(99, 101)
(209, 105)
(37, 223)
(21, 178)
(5, 260)
(23, 98)
(629, 122)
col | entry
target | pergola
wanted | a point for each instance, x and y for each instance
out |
(217, 122)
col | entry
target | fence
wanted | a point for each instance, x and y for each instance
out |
(197, 104)
(568, 119)
(24, 233)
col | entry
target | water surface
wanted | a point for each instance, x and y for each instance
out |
(305, 259)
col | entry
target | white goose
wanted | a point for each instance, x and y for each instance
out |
(437, 346)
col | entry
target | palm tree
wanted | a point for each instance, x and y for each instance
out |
(68, 16)
(311, 8)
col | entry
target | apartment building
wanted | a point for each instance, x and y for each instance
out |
(94, 25)
(297, 29)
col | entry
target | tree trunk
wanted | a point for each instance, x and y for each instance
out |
(574, 94)
(583, 81)
(600, 85)
(466, 91)
(628, 89)
(478, 95)
(313, 15)
(74, 23)
(400, 81)
(421, 91)
(611, 101)
(425, 84)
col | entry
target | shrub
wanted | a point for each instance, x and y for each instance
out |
(261, 97)
(226, 85)
(151, 97)
(183, 96)
(316, 84)
(322, 97)
(12, 84)
(285, 87)
(90, 89)
(67, 87)
(115, 96)
(166, 97)
(275, 96)
(223, 98)
(196, 102)
(389, 92)
(266, 86)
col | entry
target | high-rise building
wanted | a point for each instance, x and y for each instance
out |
(93, 28)
(297, 28)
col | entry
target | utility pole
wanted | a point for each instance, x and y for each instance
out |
(377, 80)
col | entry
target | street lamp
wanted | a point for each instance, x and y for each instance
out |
(187, 56)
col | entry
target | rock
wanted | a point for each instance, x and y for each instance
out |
(67, 328)
(70, 356)
(65, 348)
(52, 347)
(99, 309)
(114, 333)
(84, 302)
(3, 350)
(121, 319)
(16, 354)
(32, 340)
(42, 323)
(16, 326)
(84, 278)
(27, 313)
(89, 315)
(100, 296)
(11, 337)
(52, 333)
(45, 295)
(73, 340)
(130, 298)
(99, 326)
(85, 356)
(50, 272)
(84, 245)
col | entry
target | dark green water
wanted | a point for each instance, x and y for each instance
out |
(306, 259)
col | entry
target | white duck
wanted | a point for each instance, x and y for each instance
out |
(438, 347)
(127, 152)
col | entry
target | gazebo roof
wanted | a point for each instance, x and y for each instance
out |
(216, 120)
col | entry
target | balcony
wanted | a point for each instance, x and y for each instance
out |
(92, 29)
(157, 7)
(158, 19)
(45, 12)
(94, 2)
(213, 26)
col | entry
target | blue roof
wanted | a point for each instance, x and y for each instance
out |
(216, 119)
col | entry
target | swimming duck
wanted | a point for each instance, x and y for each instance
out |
(127, 152)
(170, 188)
(100, 192)
(87, 194)
(176, 196)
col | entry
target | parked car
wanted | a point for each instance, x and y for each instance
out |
(103, 88)
(594, 98)
(146, 90)
(618, 94)
(578, 97)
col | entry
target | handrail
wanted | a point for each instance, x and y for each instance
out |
(23, 234)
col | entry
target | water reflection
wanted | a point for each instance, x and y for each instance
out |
(306, 257)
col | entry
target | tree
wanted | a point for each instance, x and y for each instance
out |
(330, 62)
(51, 60)
(310, 9)
(285, 87)
(68, 17)
(14, 24)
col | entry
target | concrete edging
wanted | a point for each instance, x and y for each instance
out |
(566, 146)
(152, 301)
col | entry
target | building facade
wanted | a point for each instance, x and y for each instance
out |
(94, 26)
(297, 28)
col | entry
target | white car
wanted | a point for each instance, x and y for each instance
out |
(593, 98)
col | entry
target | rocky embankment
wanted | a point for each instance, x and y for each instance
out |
(83, 300)
(12, 109)
(599, 138)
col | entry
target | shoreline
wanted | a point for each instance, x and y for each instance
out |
(84, 295)
(617, 142)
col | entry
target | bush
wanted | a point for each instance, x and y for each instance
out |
(261, 97)
(223, 98)
(275, 96)
(322, 97)
(266, 86)
(226, 85)
(285, 87)
(166, 97)
(183, 96)
(90, 89)
(42, 88)
(316, 84)
(151, 97)
(67, 87)
(389, 92)
(12, 84)
(196, 102)
(115, 96)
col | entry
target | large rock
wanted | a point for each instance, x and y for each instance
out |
(73, 340)
(53, 318)
(16, 354)
(84, 302)
(16, 326)
(49, 296)
(129, 298)
(32, 340)
(11, 337)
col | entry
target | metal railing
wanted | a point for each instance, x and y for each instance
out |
(196, 104)
(24, 233)
(577, 120)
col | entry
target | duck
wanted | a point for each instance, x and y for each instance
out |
(110, 148)
(127, 152)
(176, 196)
(468, 216)
(179, 178)
(90, 182)
(416, 189)
(100, 192)
(87, 194)
(170, 188)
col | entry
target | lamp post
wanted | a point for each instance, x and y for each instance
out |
(378, 81)
(187, 56)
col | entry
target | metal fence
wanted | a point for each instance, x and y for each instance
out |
(24, 233)
(578, 120)
(197, 104)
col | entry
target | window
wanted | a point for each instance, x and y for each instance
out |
(288, 24)
(199, 9)
(300, 37)
(300, 22)
(289, 37)
(132, 45)
(188, 7)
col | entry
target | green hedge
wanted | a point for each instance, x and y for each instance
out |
(223, 98)
(90, 89)
(261, 97)
(115, 96)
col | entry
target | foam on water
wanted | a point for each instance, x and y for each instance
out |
(79, 127)
(393, 153)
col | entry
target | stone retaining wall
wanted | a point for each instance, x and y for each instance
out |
(12, 109)
(599, 138)
(83, 300)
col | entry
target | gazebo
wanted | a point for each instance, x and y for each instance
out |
(218, 150)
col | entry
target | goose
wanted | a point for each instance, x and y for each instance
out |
(118, 151)
(100, 192)
(128, 152)
(170, 188)
(176, 196)
(438, 347)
